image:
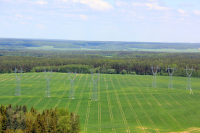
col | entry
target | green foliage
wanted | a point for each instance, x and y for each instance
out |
(82, 62)
(64, 124)
(3, 123)
(75, 126)
(62, 112)
(111, 71)
(123, 71)
(53, 120)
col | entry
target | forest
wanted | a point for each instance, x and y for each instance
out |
(19, 119)
(111, 62)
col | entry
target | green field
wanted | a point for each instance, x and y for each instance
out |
(168, 50)
(125, 106)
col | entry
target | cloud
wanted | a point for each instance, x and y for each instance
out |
(96, 4)
(18, 16)
(41, 2)
(121, 3)
(83, 17)
(154, 6)
(197, 12)
(137, 4)
(39, 26)
(29, 17)
(181, 11)
(186, 5)
(63, 0)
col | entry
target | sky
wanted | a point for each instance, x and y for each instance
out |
(102, 20)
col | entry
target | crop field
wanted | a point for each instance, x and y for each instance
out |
(127, 103)
(168, 50)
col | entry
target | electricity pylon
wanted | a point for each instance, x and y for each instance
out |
(71, 91)
(170, 77)
(189, 86)
(94, 90)
(47, 89)
(154, 76)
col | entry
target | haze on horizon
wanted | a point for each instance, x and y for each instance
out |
(102, 20)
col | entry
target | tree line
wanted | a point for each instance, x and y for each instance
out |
(18, 119)
(124, 63)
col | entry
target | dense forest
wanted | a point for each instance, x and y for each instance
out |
(112, 62)
(18, 119)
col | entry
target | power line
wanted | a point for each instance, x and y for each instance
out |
(170, 77)
(47, 89)
(71, 91)
(189, 86)
(154, 76)
(94, 90)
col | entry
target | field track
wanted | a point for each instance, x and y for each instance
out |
(125, 105)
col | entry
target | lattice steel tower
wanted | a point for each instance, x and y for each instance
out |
(154, 76)
(71, 91)
(18, 88)
(170, 77)
(94, 90)
(47, 89)
(189, 86)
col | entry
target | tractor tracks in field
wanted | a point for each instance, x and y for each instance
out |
(160, 105)
(81, 95)
(110, 109)
(141, 107)
(120, 107)
(181, 107)
(62, 94)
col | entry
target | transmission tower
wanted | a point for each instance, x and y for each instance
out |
(18, 88)
(71, 91)
(94, 90)
(170, 77)
(47, 89)
(154, 76)
(189, 87)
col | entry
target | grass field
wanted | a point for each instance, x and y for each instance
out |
(168, 50)
(125, 106)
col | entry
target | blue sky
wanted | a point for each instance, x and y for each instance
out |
(102, 20)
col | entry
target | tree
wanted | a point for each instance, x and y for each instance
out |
(3, 123)
(75, 123)
(64, 124)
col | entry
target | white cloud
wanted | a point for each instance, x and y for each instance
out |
(121, 3)
(41, 2)
(40, 26)
(18, 16)
(181, 11)
(83, 17)
(137, 4)
(197, 12)
(29, 17)
(63, 0)
(154, 6)
(23, 23)
(96, 4)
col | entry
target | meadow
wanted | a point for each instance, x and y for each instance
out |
(127, 103)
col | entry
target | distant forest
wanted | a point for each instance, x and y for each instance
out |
(12, 44)
(110, 62)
